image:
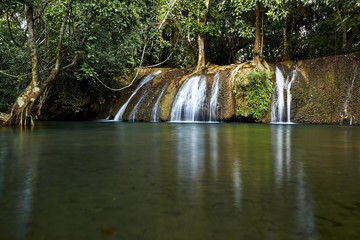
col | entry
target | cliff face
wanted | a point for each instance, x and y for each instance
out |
(326, 90)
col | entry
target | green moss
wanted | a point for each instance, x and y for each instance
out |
(256, 90)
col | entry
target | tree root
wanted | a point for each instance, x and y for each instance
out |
(235, 72)
(4, 117)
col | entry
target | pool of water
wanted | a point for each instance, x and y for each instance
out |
(116, 180)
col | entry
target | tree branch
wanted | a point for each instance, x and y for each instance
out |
(14, 76)
(61, 37)
(167, 13)
(73, 63)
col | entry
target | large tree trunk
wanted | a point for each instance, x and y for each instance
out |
(257, 43)
(286, 53)
(259, 38)
(342, 24)
(23, 112)
(201, 52)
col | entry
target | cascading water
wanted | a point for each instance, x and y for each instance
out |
(278, 102)
(189, 100)
(214, 99)
(155, 110)
(132, 114)
(289, 97)
(347, 110)
(120, 113)
(277, 105)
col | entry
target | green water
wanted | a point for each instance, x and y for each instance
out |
(113, 180)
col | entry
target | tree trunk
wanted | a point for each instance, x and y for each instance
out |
(262, 32)
(257, 43)
(201, 54)
(344, 36)
(286, 53)
(23, 112)
(28, 10)
(343, 25)
(201, 48)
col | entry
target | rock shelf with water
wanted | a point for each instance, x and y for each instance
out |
(322, 91)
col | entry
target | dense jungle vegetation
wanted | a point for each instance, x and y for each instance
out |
(65, 49)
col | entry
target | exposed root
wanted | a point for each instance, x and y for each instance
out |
(4, 117)
(235, 72)
(42, 99)
(20, 116)
(266, 65)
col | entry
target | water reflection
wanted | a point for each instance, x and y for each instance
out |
(17, 178)
(179, 181)
(281, 145)
(214, 150)
(290, 176)
(3, 154)
(237, 182)
(24, 204)
(189, 151)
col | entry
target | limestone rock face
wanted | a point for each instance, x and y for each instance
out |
(322, 89)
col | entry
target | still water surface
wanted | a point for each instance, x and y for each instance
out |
(114, 180)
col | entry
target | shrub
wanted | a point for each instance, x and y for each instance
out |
(257, 94)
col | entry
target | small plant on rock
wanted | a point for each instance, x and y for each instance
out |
(256, 92)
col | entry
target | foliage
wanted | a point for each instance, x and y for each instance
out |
(14, 76)
(274, 10)
(254, 94)
(110, 36)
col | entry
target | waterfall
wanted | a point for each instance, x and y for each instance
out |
(277, 105)
(132, 114)
(189, 101)
(155, 117)
(278, 101)
(214, 98)
(347, 109)
(289, 97)
(148, 78)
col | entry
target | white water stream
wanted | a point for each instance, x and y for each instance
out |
(189, 100)
(214, 99)
(289, 96)
(278, 101)
(132, 114)
(119, 115)
(347, 110)
(155, 116)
